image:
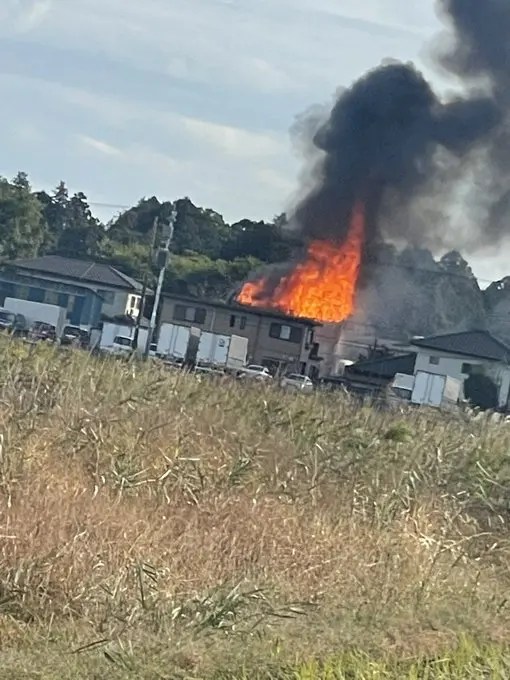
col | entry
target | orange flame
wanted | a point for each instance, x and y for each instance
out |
(322, 287)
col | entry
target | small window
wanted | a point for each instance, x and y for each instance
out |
(232, 321)
(51, 297)
(200, 315)
(434, 361)
(242, 325)
(191, 314)
(36, 295)
(283, 332)
(296, 334)
(275, 330)
(467, 369)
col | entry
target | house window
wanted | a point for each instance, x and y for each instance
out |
(467, 369)
(434, 361)
(191, 314)
(36, 295)
(284, 332)
(108, 296)
(63, 300)
(242, 325)
(51, 297)
(232, 321)
(133, 305)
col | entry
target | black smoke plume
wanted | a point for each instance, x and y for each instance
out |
(394, 144)
(432, 172)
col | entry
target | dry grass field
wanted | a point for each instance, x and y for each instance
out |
(157, 525)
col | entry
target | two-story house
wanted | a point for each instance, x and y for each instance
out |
(274, 340)
(90, 291)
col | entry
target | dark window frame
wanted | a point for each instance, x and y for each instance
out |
(295, 333)
(181, 313)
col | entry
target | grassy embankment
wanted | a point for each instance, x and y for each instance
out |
(157, 526)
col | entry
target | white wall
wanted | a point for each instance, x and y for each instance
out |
(452, 365)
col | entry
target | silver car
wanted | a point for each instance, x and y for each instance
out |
(295, 381)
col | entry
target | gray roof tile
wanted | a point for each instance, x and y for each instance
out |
(78, 270)
(480, 344)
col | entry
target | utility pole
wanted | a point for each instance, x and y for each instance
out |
(163, 254)
(145, 283)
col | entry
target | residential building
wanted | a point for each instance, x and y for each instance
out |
(275, 340)
(90, 291)
(460, 355)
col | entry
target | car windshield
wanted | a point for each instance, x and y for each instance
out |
(6, 316)
(70, 330)
(252, 367)
(295, 376)
(122, 340)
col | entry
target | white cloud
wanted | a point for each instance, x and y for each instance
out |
(233, 141)
(98, 145)
(24, 15)
(192, 97)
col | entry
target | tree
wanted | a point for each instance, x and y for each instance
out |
(134, 225)
(22, 225)
(199, 230)
(72, 229)
(265, 241)
(481, 391)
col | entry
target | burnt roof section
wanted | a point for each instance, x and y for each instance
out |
(384, 367)
(78, 270)
(480, 344)
(236, 307)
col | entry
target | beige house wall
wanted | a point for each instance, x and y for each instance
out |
(252, 325)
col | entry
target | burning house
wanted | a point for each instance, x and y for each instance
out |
(396, 162)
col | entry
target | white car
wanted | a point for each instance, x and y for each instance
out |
(255, 372)
(122, 344)
(295, 381)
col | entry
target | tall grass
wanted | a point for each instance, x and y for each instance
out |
(158, 525)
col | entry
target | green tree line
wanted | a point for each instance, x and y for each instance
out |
(210, 257)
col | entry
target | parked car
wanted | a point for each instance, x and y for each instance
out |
(12, 322)
(122, 344)
(295, 381)
(254, 372)
(74, 335)
(42, 331)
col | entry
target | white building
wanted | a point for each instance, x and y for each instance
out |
(460, 355)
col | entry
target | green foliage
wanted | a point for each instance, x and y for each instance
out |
(22, 225)
(210, 257)
(72, 230)
(199, 275)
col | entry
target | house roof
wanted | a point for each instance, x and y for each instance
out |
(236, 307)
(480, 344)
(78, 270)
(384, 367)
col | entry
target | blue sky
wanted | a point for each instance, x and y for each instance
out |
(131, 98)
